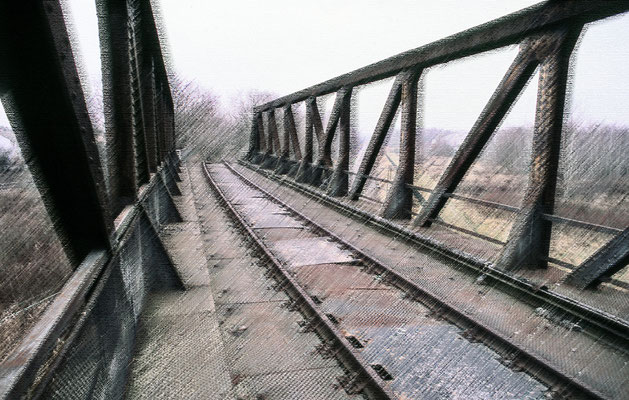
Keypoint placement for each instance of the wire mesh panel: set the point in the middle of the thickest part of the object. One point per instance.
(96, 364)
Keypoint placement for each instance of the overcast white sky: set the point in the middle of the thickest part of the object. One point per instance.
(230, 47)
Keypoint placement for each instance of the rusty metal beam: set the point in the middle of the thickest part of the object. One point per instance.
(285, 149)
(304, 173)
(142, 171)
(258, 133)
(379, 135)
(148, 109)
(272, 127)
(339, 181)
(113, 27)
(281, 165)
(261, 138)
(273, 149)
(162, 143)
(23, 367)
(325, 146)
(499, 104)
(316, 118)
(254, 138)
(510, 29)
(399, 201)
(167, 119)
(291, 141)
(153, 45)
(324, 152)
(528, 243)
(292, 132)
(609, 259)
(47, 111)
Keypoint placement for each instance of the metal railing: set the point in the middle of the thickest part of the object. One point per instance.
(546, 34)
(40, 84)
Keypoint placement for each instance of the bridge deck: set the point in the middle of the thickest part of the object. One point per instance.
(609, 297)
(229, 334)
(519, 319)
(240, 331)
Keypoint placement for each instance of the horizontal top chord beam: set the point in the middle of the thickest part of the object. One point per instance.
(504, 31)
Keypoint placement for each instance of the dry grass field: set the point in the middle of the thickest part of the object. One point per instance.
(34, 266)
(485, 181)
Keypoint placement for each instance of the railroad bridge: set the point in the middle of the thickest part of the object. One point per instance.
(285, 274)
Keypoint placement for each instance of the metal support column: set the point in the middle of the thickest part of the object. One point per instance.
(304, 173)
(47, 110)
(499, 104)
(273, 149)
(324, 158)
(529, 240)
(113, 22)
(399, 201)
(339, 181)
(379, 135)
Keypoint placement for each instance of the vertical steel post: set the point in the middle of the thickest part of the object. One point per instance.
(283, 164)
(147, 77)
(254, 138)
(304, 173)
(294, 143)
(169, 122)
(324, 158)
(379, 135)
(339, 181)
(272, 122)
(529, 240)
(294, 139)
(497, 107)
(142, 172)
(273, 149)
(113, 26)
(162, 122)
(399, 201)
(51, 123)
(261, 138)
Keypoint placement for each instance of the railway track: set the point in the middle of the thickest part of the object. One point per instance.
(396, 339)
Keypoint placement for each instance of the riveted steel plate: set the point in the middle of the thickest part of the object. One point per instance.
(320, 250)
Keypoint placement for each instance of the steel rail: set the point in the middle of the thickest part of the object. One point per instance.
(538, 367)
(351, 358)
(609, 323)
